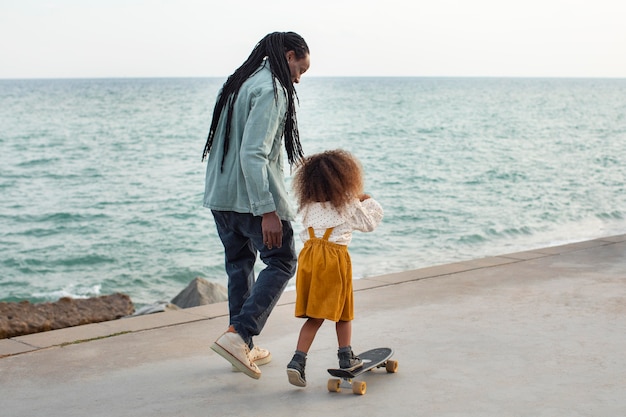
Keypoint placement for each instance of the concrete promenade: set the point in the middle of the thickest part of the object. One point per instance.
(536, 333)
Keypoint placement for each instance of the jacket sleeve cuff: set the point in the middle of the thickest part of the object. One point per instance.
(262, 207)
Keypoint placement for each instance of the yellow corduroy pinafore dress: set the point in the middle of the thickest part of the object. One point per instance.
(324, 280)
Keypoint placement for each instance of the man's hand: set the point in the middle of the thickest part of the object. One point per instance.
(272, 230)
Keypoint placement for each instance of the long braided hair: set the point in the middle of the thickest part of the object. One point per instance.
(273, 46)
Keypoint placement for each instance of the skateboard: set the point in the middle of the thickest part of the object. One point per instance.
(375, 358)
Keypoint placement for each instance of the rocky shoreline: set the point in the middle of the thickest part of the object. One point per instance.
(18, 319)
(22, 318)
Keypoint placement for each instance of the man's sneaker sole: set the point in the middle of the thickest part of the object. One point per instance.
(295, 378)
(235, 362)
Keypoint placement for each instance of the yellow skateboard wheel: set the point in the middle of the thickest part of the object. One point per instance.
(359, 387)
(392, 366)
(334, 385)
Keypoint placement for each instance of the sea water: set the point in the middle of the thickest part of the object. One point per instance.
(101, 181)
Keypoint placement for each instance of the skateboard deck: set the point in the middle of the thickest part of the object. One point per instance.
(374, 358)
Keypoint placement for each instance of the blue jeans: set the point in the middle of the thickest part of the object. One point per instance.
(251, 301)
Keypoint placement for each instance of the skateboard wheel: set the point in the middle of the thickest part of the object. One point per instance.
(392, 366)
(359, 387)
(334, 385)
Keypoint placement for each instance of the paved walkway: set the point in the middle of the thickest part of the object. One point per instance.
(537, 333)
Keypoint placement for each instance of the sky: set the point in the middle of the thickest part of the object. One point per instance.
(210, 38)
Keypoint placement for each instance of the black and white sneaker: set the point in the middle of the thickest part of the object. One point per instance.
(347, 360)
(295, 370)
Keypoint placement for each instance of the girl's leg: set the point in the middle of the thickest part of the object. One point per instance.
(347, 360)
(344, 333)
(307, 334)
(295, 368)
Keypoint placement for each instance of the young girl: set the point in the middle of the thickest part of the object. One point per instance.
(329, 190)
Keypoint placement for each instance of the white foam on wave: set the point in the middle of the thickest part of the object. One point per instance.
(71, 291)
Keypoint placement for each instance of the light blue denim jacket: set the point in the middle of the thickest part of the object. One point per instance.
(252, 180)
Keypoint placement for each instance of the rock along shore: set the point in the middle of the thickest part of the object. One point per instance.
(22, 318)
(17, 319)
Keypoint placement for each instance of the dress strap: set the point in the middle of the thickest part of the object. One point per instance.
(326, 233)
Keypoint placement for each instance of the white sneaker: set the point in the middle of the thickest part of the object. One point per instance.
(259, 356)
(235, 350)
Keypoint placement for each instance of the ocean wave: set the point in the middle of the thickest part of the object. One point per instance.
(613, 215)
(72, 291)
(55, 218)
(85, 260)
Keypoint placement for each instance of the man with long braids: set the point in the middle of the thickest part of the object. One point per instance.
(246, 190)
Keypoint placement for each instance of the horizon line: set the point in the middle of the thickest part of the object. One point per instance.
(313, 76)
